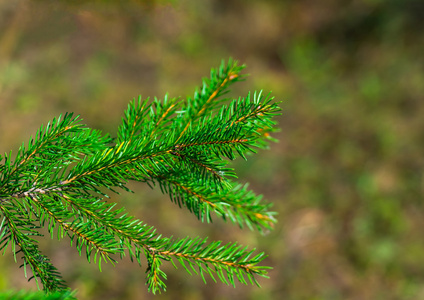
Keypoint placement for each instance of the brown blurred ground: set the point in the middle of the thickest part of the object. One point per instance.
(346, 177)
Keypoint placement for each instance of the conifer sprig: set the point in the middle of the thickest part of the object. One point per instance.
(17, 229)
(58, 181)
(208, 96)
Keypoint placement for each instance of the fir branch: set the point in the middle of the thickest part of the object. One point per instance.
(16, 231)
(37, 295)
(57, 181)
(55, 146)
(228, 261)
(208, 96)
(235, 202)
(93, 239)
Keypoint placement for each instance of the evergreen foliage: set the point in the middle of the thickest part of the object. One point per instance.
(59, 178)
(37, 295)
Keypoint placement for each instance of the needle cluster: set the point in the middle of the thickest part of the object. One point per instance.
(59, 178)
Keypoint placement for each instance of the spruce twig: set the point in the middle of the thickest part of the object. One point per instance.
(57, 181)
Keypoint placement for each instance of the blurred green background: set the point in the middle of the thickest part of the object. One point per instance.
(346, 177)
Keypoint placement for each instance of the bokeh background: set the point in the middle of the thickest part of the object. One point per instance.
(346, 177)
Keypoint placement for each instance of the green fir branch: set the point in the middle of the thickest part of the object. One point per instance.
(58, 181)
(37, 295)
(16, 231)
(207, 97)
(227, 262)
(234, 202)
